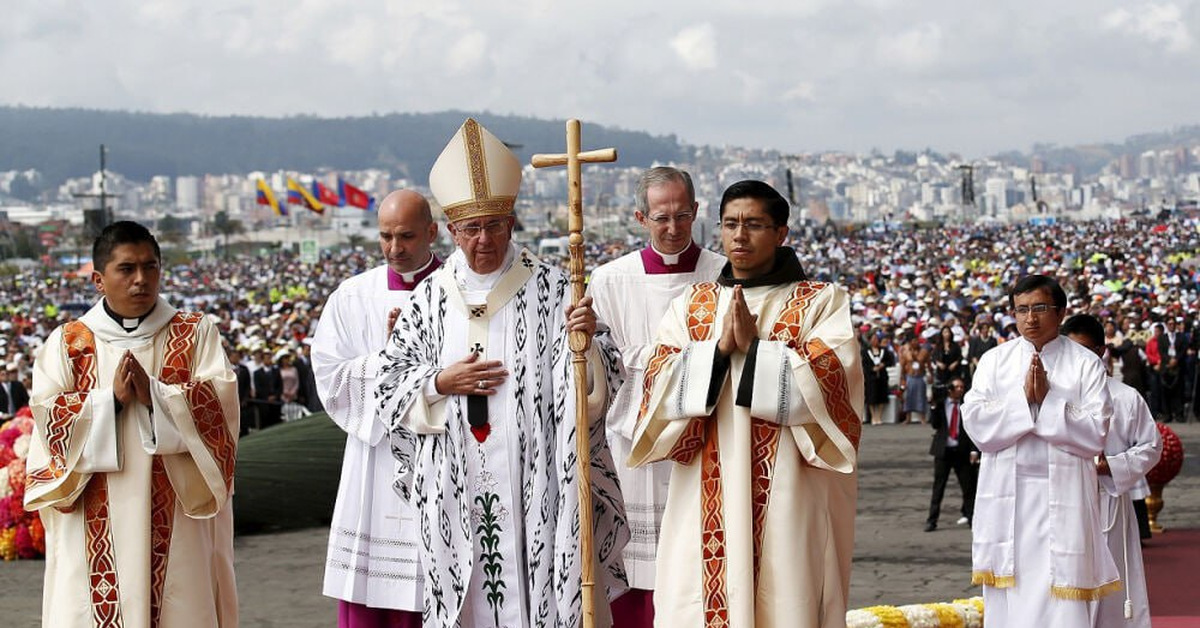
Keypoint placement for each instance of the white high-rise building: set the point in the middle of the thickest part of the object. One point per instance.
(187, 193)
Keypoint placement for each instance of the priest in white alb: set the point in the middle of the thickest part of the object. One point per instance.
(754, 391)
(1039, 411)
(477, 388)
(131, 465)
(372, 566)
(1132, 447)
(631, 294)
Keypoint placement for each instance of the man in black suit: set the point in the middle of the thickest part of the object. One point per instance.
(952, 449)
(13, 395)
(244, 390)
(308, 380)
(268, 391)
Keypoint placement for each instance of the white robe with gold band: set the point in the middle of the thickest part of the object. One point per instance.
(499, 519)
(631, 303)
(1037, 545)
(759, 525)
(374, 556)
(136, 505)
(1133, 447)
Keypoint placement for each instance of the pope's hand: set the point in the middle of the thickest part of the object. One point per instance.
(393, 316)
(471, 376)
(581, 317)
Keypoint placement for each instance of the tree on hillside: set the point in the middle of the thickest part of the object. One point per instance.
(171, 229)
(225, 226)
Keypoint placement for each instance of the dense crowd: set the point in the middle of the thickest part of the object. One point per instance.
(1140, 277)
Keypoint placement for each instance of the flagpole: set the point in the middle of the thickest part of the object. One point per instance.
(579, 343)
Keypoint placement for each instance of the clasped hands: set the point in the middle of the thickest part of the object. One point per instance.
(130, 382)
(473, 376)
(740, 328)
(1036, 383)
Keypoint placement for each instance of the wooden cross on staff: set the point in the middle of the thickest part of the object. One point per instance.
(579, 343)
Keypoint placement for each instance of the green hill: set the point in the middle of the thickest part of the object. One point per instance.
(63, 143)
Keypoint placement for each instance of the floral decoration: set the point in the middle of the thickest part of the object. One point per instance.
(21, 533)
(966, 613)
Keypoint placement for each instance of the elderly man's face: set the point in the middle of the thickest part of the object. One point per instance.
(484, 241)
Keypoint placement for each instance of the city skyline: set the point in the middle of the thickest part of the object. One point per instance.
(800, 76)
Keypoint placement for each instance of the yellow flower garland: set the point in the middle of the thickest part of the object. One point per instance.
(963, 613)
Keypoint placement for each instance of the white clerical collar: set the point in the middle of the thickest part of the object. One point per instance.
(470, 280)
(670, 259)
(411, 277)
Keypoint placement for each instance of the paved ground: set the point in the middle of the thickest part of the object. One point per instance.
(895, 561)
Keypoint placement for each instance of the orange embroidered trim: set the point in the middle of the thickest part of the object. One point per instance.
(832, 378)
(824, 362)
(162, 520)
(712, 534)
(80, 345)
(702, 310)
(207, 412)
(764, 444)
(789, 326)
(689, 444)
(106, 604)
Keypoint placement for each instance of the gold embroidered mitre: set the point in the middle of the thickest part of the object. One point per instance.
(476, 175)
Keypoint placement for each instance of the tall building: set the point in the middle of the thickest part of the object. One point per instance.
(187, 193)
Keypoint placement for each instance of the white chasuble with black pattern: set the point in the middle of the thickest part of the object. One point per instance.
(498, 513)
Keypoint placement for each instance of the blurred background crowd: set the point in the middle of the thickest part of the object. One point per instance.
(927, 302)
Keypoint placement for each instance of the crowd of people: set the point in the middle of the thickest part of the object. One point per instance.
(721, 395)
(907, 287)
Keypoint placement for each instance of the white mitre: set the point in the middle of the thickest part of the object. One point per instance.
(476, 175)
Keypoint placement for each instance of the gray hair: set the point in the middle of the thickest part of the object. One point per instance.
(659, 175)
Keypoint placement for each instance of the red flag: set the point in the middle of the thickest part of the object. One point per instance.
(324, 194)
(354, 197)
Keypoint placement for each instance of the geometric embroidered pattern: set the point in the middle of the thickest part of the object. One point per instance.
(207, 413)
(764, 444)
(825, 364)
(832, 379)
(712, 533)
(210, 424)
(702, 315)
(702, 311)
(162, 518)
(102, 572)
(80, 345)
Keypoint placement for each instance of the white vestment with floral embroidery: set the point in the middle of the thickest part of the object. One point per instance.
(499, 517)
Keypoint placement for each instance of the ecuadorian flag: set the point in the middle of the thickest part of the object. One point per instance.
(297, 195)
(266, 197)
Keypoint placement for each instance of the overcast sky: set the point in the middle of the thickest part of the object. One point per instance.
(799, 75)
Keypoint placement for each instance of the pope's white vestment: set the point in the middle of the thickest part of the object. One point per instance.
(497, 504)
(631, 303)
(136, 503)
(373, 556)
(1132, 448)
(1037, 543)
(759, 524)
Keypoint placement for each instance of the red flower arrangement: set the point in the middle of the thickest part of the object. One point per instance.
(21, 533)
(1172, 458)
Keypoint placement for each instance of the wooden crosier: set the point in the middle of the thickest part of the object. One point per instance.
(579, 343)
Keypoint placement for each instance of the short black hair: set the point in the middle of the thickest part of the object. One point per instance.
(773, 202)
(1084, 325)
(116, 234)
(1030, 283)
